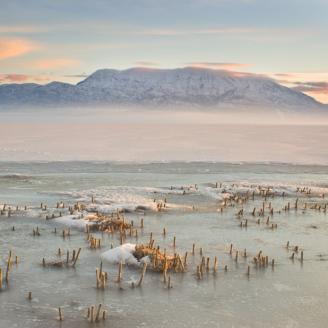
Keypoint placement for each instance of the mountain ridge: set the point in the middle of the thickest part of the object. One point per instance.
(160, 87)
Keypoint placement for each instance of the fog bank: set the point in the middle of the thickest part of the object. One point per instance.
(161, 135)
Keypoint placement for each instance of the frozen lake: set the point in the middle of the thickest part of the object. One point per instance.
(291, 294)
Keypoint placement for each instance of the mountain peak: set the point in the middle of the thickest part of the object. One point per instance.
(152, 86)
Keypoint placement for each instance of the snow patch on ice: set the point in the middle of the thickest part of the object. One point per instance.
(74, 221)
(123, 253)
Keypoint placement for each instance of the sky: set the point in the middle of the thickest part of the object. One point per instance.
(66, 40)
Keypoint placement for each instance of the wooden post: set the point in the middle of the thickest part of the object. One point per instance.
(8, 267)
(193, 249)
(103, 280)
(29, 296)
(100, 269)
(77, 256)
(215, 266)
(199, 274)
(169, 285)
(92, 310)
(98, 312)
(60, 314)
(165, 269)
(165, 276)
(120, 267)
(185, 259)
(97, 277)
(88, 313)
(144, 268)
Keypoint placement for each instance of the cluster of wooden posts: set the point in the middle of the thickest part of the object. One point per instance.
(94, 243)
(4, 279)
(204, 266)
(295, 250)
(36, 232)
(69, 261)
(267, 208)
(96, 314)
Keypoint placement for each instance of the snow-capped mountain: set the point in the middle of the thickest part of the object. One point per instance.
(159, 87)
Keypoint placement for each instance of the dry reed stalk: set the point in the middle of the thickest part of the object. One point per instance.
(60, 314)
(98, 312)
(120, 268)
(144, 268)
(215, 266)
(77, 256)
(92, 310)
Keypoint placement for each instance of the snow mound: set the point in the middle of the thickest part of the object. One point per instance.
(122, 253)
(74, 221)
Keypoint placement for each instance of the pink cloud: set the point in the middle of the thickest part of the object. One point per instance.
(312, 87)
(146, 63)
(55, 63)
(285, 75)
(15, 78)
(313, 84)
(218, 66)
(22, 78)
(12, 47)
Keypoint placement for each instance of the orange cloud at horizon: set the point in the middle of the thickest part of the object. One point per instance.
(22, 78)
(12, 47)
(314, 84)
(321, 96)
(218, 66)
(146, 63)
(55, 63)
